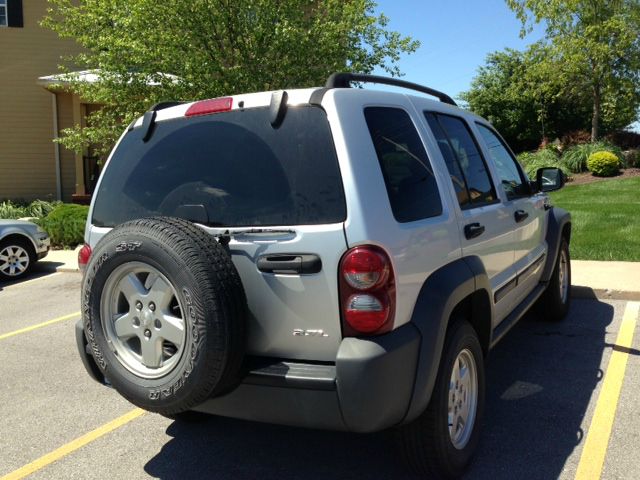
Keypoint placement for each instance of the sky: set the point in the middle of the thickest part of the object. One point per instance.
(455, 37)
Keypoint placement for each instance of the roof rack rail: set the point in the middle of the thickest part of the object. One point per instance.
(344, 80)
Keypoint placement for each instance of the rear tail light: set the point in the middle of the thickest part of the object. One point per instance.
(84, 254)
(213, 105)
(367, 291)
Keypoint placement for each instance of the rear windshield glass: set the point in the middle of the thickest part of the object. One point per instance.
(227, 169)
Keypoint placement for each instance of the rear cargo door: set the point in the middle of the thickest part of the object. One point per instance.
(276, 190)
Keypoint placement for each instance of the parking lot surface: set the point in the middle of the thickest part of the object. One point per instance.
(544, 382)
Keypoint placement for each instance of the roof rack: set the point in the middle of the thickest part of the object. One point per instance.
(344, 80)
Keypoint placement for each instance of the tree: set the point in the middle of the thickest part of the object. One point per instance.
(146, 51)
(598, 43)
(526, 97)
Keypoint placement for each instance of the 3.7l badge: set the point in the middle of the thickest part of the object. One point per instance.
(299, 332)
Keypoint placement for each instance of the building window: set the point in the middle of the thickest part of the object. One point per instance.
(3, 13)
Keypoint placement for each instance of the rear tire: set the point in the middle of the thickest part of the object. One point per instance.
(554, 303)
(437, 444)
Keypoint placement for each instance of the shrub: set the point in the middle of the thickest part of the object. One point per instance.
(37, 208)
(631, 158)
(10, 210)
(65, 224)
(575, 158)
(603, 164)
(575, 137)
(625, 139)
(40, 208)
(532, 161)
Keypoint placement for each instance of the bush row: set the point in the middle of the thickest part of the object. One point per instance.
(575, 159)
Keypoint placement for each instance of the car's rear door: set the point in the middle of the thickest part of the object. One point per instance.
(485, 221)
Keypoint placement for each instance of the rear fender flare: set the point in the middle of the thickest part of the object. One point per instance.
(440, 294)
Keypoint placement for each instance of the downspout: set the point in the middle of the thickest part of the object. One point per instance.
(56, 145)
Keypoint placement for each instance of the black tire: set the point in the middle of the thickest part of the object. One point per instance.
(24, 243)
(553, 305)
(207, 289)
(426, 444)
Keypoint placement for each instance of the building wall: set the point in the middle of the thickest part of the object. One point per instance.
(27, 158)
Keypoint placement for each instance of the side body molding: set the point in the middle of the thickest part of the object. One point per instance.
(441, 293)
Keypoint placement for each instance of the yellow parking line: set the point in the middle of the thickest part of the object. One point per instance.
(595, 447)
(39, 325)
(72, 446)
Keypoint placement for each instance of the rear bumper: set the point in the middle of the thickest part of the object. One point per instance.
(369, 388)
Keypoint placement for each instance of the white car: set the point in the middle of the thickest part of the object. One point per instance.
(22, 244)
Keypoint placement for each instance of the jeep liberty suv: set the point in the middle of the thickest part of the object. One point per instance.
(333, 258)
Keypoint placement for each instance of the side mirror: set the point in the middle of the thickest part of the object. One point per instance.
(549, 179)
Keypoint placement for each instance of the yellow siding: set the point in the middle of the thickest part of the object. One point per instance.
(27, 161)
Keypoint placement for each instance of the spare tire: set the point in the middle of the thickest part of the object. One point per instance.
(164, 313)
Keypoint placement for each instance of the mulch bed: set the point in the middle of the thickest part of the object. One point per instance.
(582, 178)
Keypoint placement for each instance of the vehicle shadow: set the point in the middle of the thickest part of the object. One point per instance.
(40, 269)
(540, 381)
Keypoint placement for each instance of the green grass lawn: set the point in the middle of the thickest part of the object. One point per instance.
(605, 217)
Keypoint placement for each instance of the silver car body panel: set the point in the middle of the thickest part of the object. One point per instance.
(38, 238)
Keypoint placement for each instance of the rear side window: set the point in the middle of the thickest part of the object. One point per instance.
(408, 175)
(227, 169)
(467, 168)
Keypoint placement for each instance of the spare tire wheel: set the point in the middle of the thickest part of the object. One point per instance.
(164, 313)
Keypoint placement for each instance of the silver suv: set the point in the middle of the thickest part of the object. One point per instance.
(333, 258)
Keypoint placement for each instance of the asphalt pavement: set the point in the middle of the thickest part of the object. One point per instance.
(544, 381)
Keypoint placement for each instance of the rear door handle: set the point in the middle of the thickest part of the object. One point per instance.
(473, 230)
(520, 215)
(291, 263)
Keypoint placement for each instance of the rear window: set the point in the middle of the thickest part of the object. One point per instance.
(228, 169)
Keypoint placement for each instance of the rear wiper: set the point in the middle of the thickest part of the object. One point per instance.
(225, 237)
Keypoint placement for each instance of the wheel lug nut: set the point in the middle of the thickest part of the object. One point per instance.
(138, 305)
(157, 324)
(147, 333)
(152, 307)
(136, 322)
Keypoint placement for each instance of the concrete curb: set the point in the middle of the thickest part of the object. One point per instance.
(578, 291)
(67, 269)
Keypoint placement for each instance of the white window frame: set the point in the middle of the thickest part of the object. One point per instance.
(3, 3)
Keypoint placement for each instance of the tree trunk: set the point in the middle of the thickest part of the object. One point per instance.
(595, 119)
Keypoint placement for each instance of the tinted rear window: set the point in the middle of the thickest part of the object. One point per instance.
(234, 166)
